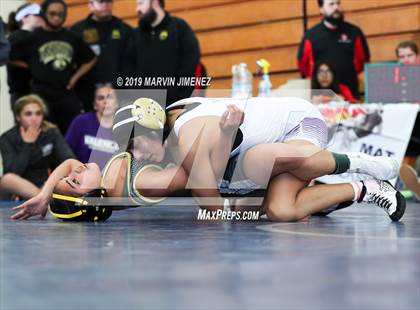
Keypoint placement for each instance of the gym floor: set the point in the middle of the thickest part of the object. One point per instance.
(164, 258)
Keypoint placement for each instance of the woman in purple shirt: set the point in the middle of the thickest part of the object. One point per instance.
(90, 134)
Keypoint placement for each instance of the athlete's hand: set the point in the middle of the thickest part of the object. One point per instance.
(30, 134)
(37, 205)
(231, 119)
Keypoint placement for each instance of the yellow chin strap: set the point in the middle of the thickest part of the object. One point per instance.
(70, 198)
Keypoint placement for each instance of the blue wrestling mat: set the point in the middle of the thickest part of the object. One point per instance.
(164, 258)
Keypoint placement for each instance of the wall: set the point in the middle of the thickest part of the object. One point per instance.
(232, 31)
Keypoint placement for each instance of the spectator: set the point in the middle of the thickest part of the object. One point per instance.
(4, 45)
(21, 24)
(90, 134)
(342, 44)
(324, 78)
(57, 59)
(109, 37)
(408, 53)
(164, 46)
(30, 149)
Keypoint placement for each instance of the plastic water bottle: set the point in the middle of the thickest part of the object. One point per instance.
(236, 81)
(264, 86)
(245, 81)
(241, 81)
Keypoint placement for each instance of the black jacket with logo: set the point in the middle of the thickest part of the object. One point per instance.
(345, 48)
(170, 49)
(109, 40)
(32, 160)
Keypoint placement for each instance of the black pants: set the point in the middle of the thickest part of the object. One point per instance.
(85, 91)
(62, 111)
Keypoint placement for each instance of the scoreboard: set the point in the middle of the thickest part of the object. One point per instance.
(392, 83)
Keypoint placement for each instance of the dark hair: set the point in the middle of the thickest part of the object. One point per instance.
(320, 3)
(162, 3)
(102, 85)
(314, 81)
(12, 24)
(47, 3)
(407, 44)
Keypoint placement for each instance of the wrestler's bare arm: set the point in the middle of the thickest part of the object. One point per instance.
(196, 142)
(225, 132)
(154, 182)
(38, 205)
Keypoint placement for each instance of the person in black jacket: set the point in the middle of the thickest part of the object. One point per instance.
(108, 37)
(23, 22)
(4, 44)
(30, 149)
(164, 46)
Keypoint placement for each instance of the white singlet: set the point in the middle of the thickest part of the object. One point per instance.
(267, 120)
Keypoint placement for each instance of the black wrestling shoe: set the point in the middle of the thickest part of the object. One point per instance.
(385, 196)
(339, 206)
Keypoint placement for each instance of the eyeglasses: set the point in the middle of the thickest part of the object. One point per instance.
(58, 14)
(324, 72)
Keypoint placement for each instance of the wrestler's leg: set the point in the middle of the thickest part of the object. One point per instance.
(12, 183)
(289, 199)
(300, 158)
(308, 161)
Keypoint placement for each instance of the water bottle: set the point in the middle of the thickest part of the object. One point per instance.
(264, 86)
(245, 81)
(236, 81)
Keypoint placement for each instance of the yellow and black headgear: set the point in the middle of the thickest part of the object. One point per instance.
(141, 117)
(68, 208)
